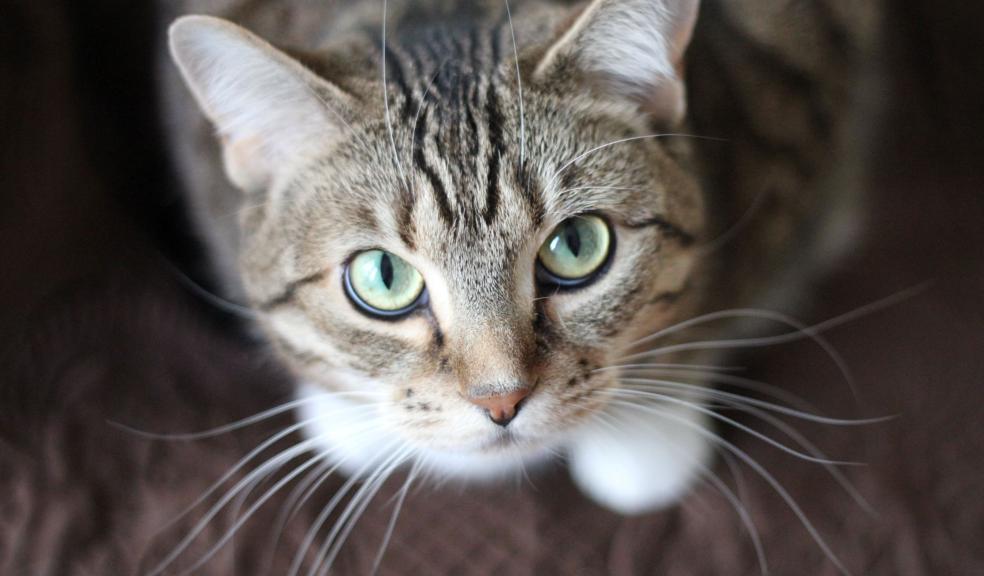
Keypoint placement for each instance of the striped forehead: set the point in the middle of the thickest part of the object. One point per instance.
(465, 208)
(447, 165)
(446, 61)
(457, 111)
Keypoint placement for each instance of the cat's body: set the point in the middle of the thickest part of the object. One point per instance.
(478, 150)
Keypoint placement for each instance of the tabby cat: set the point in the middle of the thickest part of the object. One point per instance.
(484, 234)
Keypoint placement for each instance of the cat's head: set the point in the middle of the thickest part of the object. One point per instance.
(473, 244)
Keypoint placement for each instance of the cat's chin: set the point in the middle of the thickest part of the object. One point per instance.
(336, 427)
(487, 466)
(647, 462)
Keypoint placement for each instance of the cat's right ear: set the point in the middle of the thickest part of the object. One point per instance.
(269, 110)
(629, 50)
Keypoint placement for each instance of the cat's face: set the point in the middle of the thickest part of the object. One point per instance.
(485, 317)
(466, 263)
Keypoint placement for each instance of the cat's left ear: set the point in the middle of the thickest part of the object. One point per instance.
(628, 49)
(270, 111)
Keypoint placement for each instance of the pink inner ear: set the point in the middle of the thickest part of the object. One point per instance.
(635, 50)
(668, 104)
(681, 35)
(244, 162)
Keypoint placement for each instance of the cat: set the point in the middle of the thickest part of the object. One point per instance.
(487, 235)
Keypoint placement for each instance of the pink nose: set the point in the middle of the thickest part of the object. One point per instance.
(502, 409)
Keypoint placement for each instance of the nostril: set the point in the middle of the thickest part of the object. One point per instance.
(503, 418)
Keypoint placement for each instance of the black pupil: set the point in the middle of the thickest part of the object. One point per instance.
(386, 271)
(573, 239)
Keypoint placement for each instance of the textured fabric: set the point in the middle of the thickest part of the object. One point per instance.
(96, 328)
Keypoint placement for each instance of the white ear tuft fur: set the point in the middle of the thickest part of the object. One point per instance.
(634, 48)
(269, 110)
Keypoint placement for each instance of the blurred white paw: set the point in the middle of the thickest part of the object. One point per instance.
(648, 462)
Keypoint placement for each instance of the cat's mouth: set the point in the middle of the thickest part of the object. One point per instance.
(503, 440)
(507, 441)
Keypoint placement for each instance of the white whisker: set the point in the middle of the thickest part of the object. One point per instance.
(396, 514)
(326, 511)
(631, 370)
(354, 510)
(219, 302)
(519, 83)
(252, 510)
(583, 155)
(261, 471)
(812, 448)
(765, 475)
(716, 244)
(238, 424)
(271, 464)
(623, 188)
(524, 473)
(744, 517)
(235, 468)
(802, 331)
(734, 498)
(423, 104)
(734, 423)
(386, 106)
(235, 510)
(270, 441)
(294, 501)
(701, 368)
(729, 397)
(606, 420)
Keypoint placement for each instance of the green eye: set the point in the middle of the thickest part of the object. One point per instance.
(575, 251)
(382, 283)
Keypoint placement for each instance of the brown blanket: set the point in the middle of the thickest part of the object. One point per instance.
(96, 327)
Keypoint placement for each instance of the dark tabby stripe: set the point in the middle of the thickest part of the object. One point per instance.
(416, 68)
(305, 357)
(838, 38)
(495, 153)
(781, 70)
(397, 76)
(420, 161)
(289, 292)
(669, 297)
(473, 144)
(749, 132)
(407, 230)
(529, 184)
(670, 230)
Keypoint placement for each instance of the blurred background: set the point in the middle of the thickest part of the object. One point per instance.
(95, 326)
